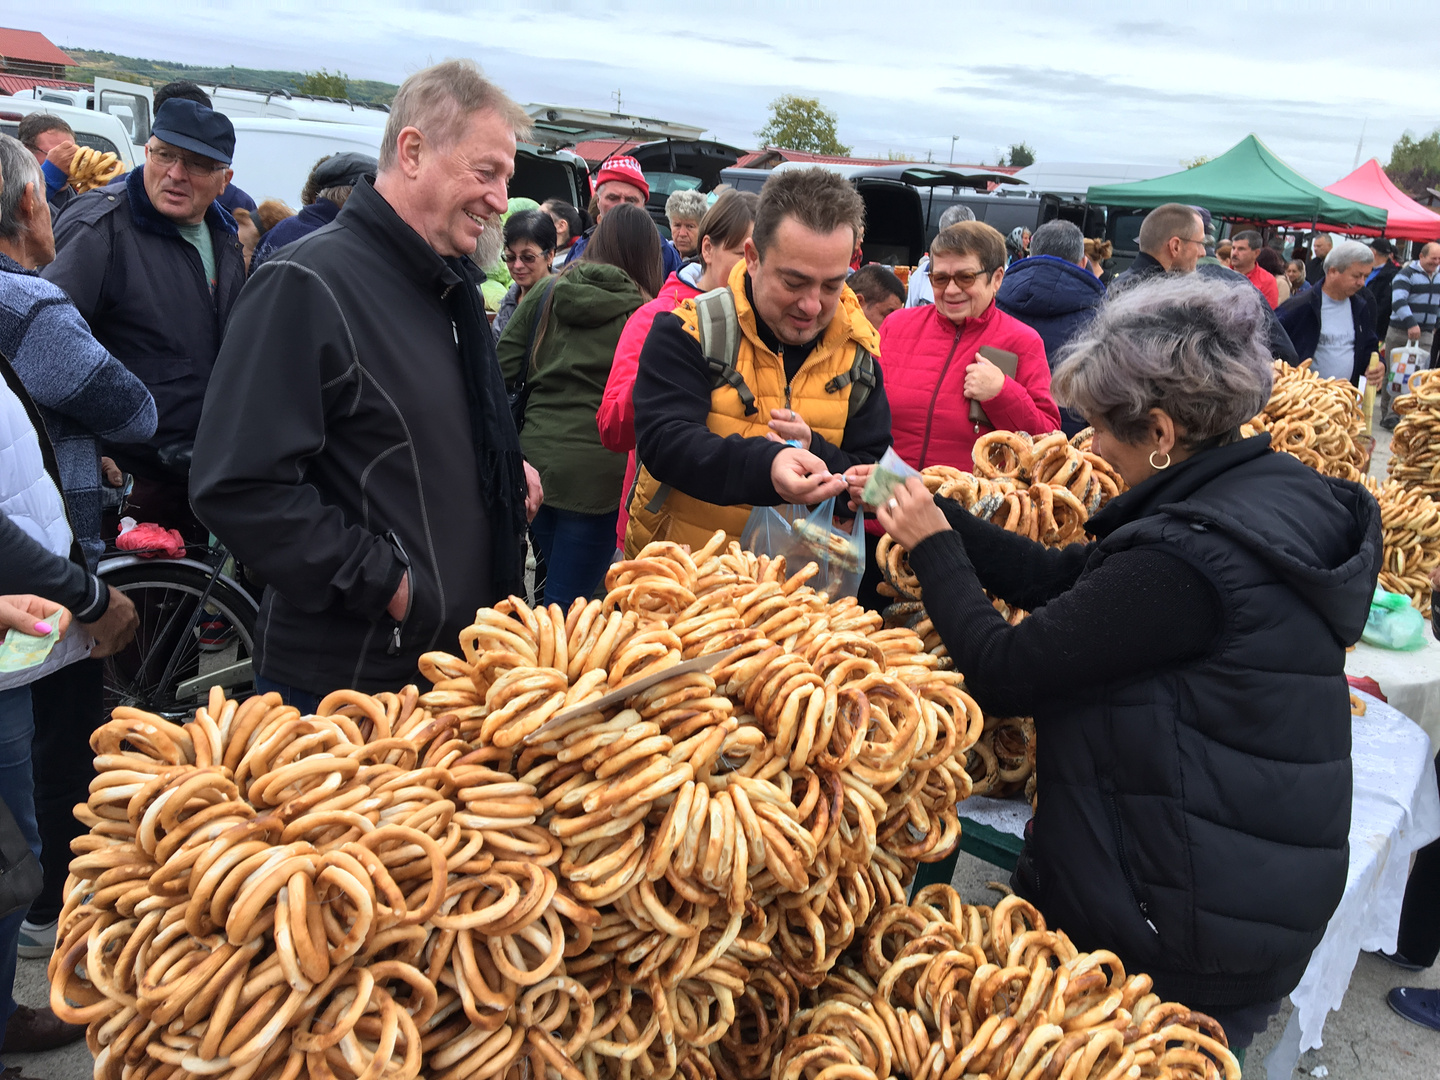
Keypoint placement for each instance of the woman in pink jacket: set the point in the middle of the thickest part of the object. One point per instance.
(933, 368)
(723, 232)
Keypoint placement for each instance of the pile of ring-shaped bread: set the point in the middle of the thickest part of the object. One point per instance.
(91, 169)
(1410, 531)
(944, 990)
(449, 883)
(1317, 420)
(1415, 447)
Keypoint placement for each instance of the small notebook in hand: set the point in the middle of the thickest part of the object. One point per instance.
(1006, 362)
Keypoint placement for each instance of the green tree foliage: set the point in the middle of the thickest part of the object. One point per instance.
(900, 155)
(158, 72)
(798, 123)
(1415, 163)
(322, 84)
(1020, 155)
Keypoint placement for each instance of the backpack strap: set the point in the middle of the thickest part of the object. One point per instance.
(719, 328)
(861, 377)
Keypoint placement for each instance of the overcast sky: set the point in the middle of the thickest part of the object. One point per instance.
(1135, 82)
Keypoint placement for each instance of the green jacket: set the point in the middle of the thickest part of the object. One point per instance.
(591, 303)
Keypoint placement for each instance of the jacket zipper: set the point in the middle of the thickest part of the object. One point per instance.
(935, 396)
(1113, 813)
(393, 649)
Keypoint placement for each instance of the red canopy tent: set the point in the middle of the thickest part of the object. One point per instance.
(1408, 220)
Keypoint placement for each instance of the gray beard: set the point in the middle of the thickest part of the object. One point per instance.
(487, 249)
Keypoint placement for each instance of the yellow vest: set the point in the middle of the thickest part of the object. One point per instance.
(687, 520)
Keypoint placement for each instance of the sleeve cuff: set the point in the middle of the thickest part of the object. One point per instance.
(55, 177)
(97, 603)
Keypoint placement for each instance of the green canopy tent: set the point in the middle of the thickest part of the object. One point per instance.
(1247, 181)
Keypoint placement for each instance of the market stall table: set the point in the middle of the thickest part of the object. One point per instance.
(1410, 681)
(1396, 812)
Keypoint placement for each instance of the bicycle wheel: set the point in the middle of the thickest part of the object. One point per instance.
(168, 649)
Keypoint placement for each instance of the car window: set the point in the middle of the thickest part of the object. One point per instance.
(96, 142)
(664, 183)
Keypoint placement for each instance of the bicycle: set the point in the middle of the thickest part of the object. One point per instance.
(197, 630)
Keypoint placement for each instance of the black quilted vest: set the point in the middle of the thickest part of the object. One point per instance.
(1195, 819)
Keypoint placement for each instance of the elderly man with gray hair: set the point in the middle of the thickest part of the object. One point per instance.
(1335, 323)
(356, 448)
(1194, 717)
(920, 290)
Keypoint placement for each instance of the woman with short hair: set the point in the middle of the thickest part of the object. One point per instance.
(560, 344)
(529, 248)
(684, 209)
(1185, 669)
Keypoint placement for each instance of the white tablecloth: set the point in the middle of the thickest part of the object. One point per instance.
(1396, 812)
(1410, 681)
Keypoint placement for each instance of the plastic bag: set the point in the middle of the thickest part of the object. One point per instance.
(1405, 362)
(148, 539)
(889, 473)
(1393, 623)
(804, 535)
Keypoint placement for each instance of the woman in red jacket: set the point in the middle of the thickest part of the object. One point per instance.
(933, 367)
(723, 232)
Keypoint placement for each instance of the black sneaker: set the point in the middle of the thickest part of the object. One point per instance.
(1400, 960)
(1416, 1005)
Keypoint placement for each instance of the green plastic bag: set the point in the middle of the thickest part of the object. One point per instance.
(1393, 623)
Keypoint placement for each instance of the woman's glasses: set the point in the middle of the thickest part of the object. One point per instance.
(965, 278)
(530, 258)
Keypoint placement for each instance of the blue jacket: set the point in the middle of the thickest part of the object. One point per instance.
(320, 212)
(141, 288)
(1300, 316)
(1053, 297)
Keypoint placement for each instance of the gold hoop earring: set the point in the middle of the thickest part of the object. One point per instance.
(1156, 466)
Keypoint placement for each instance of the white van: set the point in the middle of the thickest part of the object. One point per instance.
(282, 105)
(273, 158)
(102, 131)
(130, 103)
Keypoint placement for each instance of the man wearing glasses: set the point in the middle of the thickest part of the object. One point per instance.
(154, 266)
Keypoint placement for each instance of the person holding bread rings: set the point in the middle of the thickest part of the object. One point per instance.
(1185, 668)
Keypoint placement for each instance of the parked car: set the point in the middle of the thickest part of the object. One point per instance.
(131, 104)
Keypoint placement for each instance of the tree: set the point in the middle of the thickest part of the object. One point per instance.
(1021, 154)
(798, 123)
(1415, 163)
(1199, 159)
(323, 84)
(900, 155)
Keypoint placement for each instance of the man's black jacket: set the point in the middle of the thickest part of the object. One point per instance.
(1300, 315)
(336, 445)
(141, 286)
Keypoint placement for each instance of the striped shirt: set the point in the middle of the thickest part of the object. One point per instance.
(1415, 299)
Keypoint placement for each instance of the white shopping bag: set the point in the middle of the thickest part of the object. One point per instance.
(1405, 362)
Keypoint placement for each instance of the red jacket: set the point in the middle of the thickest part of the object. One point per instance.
(616, 418)
(1264, 280)
(924, 356)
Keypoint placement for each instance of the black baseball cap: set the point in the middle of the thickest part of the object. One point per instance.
(194, 127)
(343, 170)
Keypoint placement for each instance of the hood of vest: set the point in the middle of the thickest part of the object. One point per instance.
(1319, 535)
(592, 294)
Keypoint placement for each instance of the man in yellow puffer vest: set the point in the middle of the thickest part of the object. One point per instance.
(711, 436)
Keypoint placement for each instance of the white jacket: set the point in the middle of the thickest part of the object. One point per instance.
(30, 498)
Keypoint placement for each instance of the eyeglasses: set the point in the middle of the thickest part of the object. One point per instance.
(1187, 240)
(198, 167)
(965, 279)
(530, 258)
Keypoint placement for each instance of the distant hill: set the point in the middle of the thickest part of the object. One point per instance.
(93, 62)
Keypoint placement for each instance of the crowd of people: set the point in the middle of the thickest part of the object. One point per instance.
(326, 394)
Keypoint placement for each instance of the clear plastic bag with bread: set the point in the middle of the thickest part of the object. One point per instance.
(805, 534)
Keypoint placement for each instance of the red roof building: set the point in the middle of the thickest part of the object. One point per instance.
(31, 53)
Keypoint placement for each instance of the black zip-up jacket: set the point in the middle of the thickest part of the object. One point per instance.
(1186, 673)
(1300, 316)
(141, 287)
(336, 445)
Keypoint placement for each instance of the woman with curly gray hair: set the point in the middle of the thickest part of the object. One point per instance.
(1185, 668)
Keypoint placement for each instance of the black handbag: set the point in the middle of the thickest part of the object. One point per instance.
(519, 394)
(20, 873)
